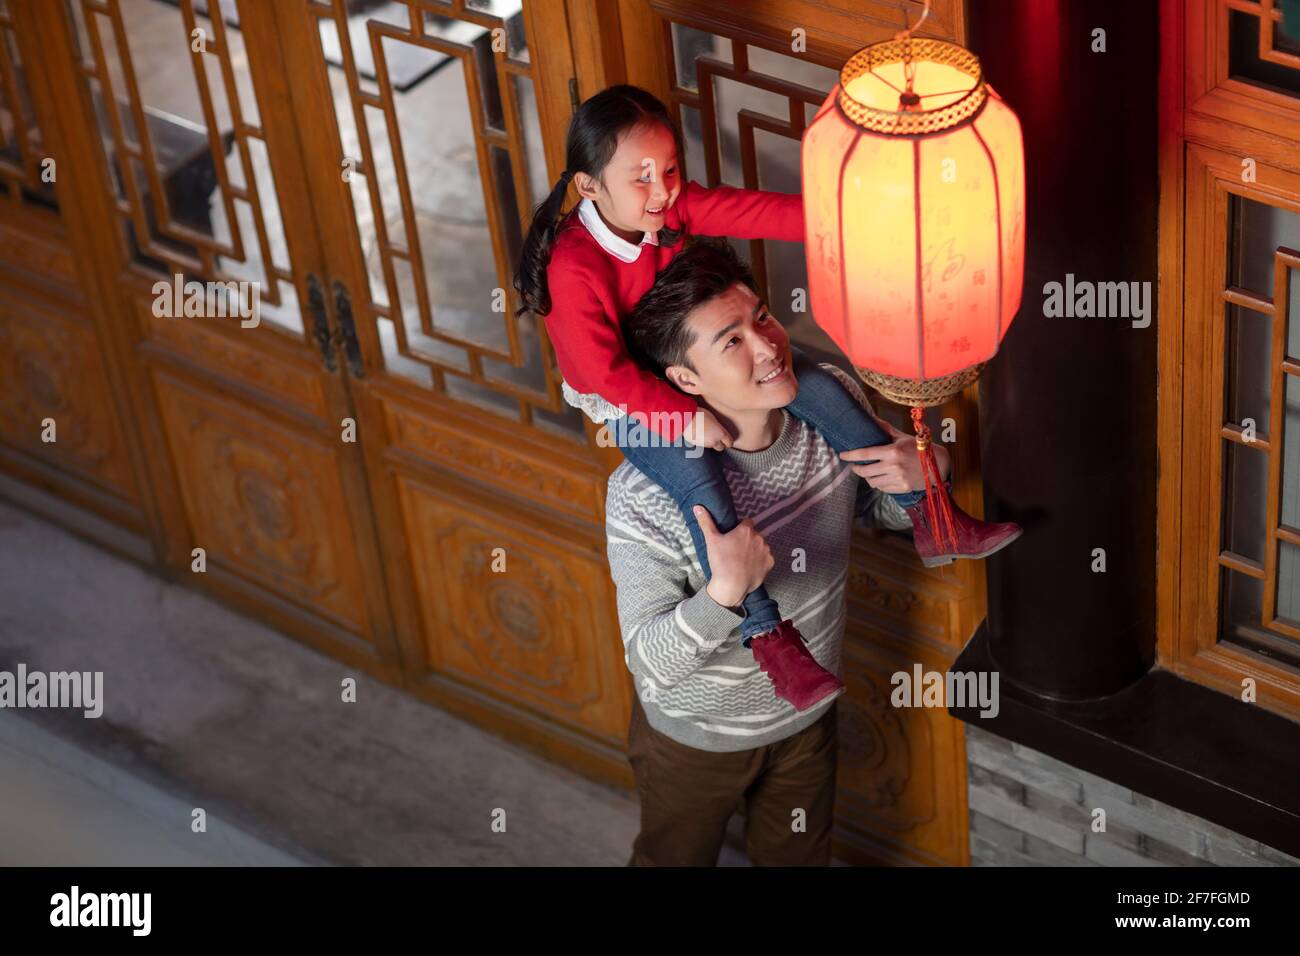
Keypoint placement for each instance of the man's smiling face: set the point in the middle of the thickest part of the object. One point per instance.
(740, 356)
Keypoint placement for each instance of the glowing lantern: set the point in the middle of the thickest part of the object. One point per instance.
(914, 198)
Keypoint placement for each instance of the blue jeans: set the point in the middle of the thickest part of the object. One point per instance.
(821, 402)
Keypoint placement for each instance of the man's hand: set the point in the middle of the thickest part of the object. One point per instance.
(739, 559)
(706, 431)
(897, 468)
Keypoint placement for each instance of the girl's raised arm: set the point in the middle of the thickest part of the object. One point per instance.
(741, 213)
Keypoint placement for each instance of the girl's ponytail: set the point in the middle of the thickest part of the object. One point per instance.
(530, 279)
(592, 139)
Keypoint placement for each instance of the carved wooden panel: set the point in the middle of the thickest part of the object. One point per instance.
(535, 475)
(264, 500)
(902, 777)
(33, 252)
(51, 367)
(239, 358)
(516, 612)
(898, 597)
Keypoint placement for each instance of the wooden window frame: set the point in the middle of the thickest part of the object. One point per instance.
(1209, 123)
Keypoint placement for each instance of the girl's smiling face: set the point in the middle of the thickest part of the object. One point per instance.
(639, 184)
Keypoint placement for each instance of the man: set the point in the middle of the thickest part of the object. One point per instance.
(707, 729)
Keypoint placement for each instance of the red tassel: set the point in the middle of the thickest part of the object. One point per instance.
(936, 498)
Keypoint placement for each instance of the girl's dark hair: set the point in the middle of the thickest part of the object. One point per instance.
(593, 136)
(655, 329)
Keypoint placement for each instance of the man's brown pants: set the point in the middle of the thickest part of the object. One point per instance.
(688, 795)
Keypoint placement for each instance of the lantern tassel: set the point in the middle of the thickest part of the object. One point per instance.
(936, 500)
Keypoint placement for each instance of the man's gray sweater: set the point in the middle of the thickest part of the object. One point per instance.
(698, 684)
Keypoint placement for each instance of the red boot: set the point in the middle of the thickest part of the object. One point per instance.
(975, 538)
(796, 676)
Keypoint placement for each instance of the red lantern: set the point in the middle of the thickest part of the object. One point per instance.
(914, 201)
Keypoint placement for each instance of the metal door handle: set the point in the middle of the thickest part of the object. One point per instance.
(348, 329)
(320, 323)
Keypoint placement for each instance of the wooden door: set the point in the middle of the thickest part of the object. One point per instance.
(433, 131)
(743, 80)
(182, 165)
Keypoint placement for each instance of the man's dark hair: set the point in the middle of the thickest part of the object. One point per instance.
(656, 330)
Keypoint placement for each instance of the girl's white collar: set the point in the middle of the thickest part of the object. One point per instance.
(616, 246)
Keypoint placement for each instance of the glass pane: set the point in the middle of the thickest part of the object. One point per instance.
(1288, 583)
(1241, 606)
(199, 205)
(1244, 62)
(1257, 230)
(1292, 314)
(1246, 368)
(693, 139)
(795, 69)
(787, 266)
(537, 176)
(506, 10)
(1286, 40)
(1245, 493)
(476, 394)
(1291, 455)
(689, 44)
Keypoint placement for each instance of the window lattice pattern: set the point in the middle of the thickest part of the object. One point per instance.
(436, 108)
(182, 140)
(24, 169)
(743, 110)
(1259, 555)
(1262, 48)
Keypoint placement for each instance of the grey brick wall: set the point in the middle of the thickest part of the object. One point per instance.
(1029, 809)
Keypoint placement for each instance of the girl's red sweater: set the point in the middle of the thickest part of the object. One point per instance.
(591, 290)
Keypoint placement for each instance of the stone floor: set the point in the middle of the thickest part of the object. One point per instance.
(206, 708)
(60, 805)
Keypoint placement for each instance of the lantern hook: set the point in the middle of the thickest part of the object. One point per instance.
(909, 99)
(906, 34)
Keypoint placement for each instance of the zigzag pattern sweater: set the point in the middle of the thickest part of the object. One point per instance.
(697, 683)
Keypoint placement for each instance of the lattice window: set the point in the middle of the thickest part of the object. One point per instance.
(743, 109)
(436, 109)
(24, 172)
(182, 139)
(1260, 544)
(1261, 48)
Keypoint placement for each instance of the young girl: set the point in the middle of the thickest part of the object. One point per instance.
(584, 272)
